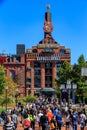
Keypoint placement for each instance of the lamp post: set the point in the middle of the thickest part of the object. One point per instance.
(74, 87)
(16, 96)
(6, 88)
(62, 89)
(70, 87)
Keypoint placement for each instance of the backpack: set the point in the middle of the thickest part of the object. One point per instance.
(26, 122)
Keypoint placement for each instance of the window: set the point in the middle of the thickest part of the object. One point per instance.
(12, 74)
(48, 65)
(34, 50)
(37, 72)
(58, 64)
(36, 64)
(18, 59)
(37, 85)
(37, 79)
(62, 51)
(8, 59)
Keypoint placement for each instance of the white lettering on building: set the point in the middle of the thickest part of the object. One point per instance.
(49, 58)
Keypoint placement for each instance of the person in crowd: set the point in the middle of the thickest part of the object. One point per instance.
(26, 122)
(75, 118)
(59, 120)
(32, 117)
(49, 114)
(9, 125)
(44, 121)
(39, 114)
(4, 116)
(53, 123)
(55, 111)
(67, 120)
(82, 120)
(14, 118)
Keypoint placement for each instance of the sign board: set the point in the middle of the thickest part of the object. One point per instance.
(48, 45)
(48, 58)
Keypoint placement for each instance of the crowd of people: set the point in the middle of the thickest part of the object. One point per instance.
(47, 113)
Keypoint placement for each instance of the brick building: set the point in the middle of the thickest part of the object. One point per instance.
(44, 60)
(15, 67)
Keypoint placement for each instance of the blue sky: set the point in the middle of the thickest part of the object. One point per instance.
(21, 22)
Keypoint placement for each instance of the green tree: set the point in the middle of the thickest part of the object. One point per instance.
(81, 61)
(64, 75)
(73, 73)
(29, 98)
(11, 86)
(81, 91)
(78, 78)
(2, 79)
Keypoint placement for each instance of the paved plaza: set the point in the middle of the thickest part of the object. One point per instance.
(36, 127)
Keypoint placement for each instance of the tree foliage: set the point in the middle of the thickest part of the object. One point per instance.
(29, 98)
(64, 75)
(11, 86)
(81, 61)
(73, 73)
(64, 72)
(2, 79)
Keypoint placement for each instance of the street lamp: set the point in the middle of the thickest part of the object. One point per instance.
(70, 87)
(16, 96)
(62, 89)
(6, 88)
(74, 87)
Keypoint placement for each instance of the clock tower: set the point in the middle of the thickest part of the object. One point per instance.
(47, 22)
(44, 60)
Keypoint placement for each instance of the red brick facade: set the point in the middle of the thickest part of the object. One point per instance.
(45, 59)
(16, 69)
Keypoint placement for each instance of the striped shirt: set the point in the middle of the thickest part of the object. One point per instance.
(9, 126)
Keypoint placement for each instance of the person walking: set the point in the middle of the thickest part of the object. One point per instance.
(14, 118)
(75, 118)
(59, 120)
(9, 125)
(67, 120)
(26, 122)
(39, 114)
(44, 121)
(82, 120)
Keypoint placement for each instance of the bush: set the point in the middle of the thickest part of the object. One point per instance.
(29, 98)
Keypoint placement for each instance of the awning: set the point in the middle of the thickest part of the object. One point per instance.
(48, 90)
